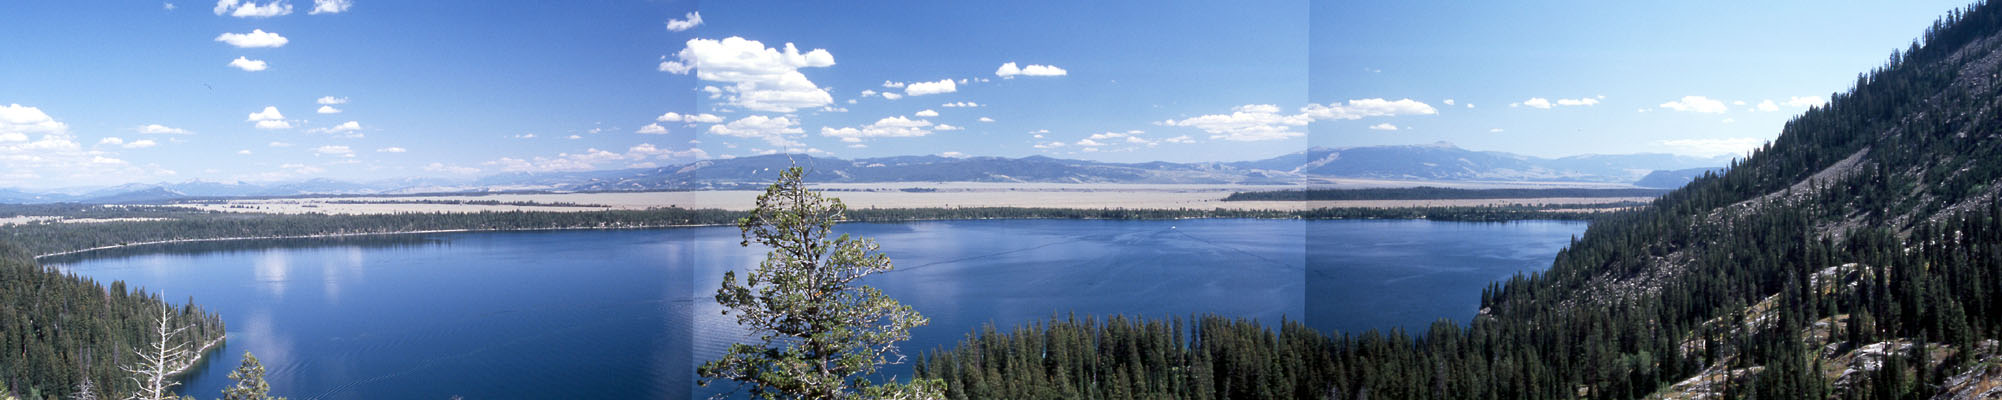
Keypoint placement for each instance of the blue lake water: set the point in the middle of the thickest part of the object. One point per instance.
(628, 313)
(1408, 274)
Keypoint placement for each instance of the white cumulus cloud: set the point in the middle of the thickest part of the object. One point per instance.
(927, 113)
(1251, 122)
(1367, 108)
(1588, 101)
(248, 64)
(250, 9)
(773, 130)
(704, 118)
(328, 110)
(925, 88)
(897, 126)
(256, 38)
(346, 129)
(652, 129)
(269, 118)
(690, 21)
(760, 78)
(1010, 71)
(330, 7)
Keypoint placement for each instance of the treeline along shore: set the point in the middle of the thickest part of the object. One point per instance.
(124, 226)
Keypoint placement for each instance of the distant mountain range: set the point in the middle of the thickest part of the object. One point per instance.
(1433, 162)
(1445, 162)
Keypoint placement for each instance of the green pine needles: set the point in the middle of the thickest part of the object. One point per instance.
(821, 333)
(250, 384)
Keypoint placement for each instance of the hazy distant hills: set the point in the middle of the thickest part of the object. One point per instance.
(1433, 162)
(1445, 162)
(761, 169)
(1673, 178)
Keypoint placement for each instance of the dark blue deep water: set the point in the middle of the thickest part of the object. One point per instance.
(628, 313)
(1408, 274)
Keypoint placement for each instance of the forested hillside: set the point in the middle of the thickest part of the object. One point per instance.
(57, 329)
(1856, 256)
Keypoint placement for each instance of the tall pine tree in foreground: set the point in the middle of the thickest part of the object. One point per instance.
(821, 333)
(249, 381)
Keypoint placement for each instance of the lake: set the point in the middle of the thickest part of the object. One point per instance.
(628, 313)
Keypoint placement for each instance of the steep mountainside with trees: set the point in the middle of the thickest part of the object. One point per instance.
(1859, 256)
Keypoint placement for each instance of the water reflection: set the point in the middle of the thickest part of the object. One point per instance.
(255, 329)
(273, 271)
(348, 268)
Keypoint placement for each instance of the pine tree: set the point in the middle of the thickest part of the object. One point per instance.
(250, 384)
(822, 332)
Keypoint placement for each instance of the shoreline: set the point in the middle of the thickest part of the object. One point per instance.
(357, 234)
(1188, 215)
(671, 226)
(201, 356)
(470, 230)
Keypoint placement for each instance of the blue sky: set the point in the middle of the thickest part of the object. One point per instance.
(465, 89)
(1645, 58)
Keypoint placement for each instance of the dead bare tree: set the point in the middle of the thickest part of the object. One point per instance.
(85, 390)
(159, 362)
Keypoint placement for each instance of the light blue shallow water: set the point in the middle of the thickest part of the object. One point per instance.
(626, 314)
